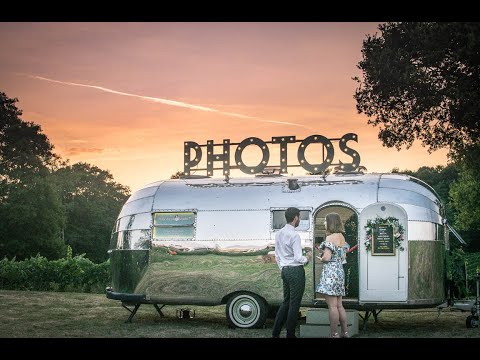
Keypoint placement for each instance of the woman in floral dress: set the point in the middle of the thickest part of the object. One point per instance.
(332, 281)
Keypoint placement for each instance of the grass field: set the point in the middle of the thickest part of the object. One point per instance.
(30, 314)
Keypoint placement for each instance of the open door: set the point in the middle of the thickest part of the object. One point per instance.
(350, 220)
(383, 265)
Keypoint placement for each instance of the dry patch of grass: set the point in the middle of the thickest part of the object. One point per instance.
(30, 314)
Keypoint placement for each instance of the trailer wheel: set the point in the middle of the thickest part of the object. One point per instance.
(472, 321)
(245, 310)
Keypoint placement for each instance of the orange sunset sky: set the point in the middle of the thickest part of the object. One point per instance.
(126, 96)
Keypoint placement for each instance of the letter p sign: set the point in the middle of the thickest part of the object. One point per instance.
(187, 162)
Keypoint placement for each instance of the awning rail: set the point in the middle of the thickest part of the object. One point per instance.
(455, 233)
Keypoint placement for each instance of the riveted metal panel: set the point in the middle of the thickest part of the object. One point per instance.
(218, 225)
(128, 268)
(406, 183)
(143, 193)
(400, 196)
(137, 206)
(419, 213)
(421, 230)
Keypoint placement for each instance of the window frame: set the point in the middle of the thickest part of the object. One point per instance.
(170, 225)
(309, 210)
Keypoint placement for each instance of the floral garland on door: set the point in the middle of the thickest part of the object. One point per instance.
(398, 231)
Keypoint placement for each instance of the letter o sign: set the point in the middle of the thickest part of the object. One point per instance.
(265, 155)
(315, 168)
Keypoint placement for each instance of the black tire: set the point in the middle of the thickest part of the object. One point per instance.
(246, 311)
(472, 321)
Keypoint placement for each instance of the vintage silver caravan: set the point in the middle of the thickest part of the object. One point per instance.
(206, 241)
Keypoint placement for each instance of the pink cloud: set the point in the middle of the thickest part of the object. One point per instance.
(77, 151)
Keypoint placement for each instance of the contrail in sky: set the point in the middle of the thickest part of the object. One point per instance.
(168, 102)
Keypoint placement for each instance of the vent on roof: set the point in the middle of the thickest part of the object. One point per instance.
(293, 184)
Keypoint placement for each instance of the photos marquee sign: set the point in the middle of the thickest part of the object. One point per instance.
(220, 160)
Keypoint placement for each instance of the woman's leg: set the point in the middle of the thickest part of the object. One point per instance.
(342, 314)
(332, 314)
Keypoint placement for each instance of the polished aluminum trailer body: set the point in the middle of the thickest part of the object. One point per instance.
(237, 219)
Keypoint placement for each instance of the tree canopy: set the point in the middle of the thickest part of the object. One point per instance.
(92, 201)
(422, 81)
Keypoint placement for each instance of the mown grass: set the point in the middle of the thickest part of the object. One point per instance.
(31, 314)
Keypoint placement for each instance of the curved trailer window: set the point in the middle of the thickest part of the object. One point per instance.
(174, 225)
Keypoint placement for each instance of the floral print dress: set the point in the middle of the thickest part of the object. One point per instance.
(332, 280)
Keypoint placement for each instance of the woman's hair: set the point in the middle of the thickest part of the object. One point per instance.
(334, 223)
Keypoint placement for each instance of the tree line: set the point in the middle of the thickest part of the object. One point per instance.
(47, 203)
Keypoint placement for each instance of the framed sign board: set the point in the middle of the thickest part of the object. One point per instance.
(382, 240)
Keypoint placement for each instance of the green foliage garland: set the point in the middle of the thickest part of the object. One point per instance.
(398, 231)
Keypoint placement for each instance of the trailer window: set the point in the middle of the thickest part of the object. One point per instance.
(279, 221)
(174, 225)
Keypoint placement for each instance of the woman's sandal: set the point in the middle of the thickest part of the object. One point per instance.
(335, 335)
(345, 335)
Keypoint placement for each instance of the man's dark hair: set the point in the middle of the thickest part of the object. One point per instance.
(290, 214)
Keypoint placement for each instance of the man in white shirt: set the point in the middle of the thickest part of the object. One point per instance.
(288, 254)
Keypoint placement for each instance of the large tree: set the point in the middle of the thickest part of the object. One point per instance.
(92, 200)
(31, 214)
(422, 81)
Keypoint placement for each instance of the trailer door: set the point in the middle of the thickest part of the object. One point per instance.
(383, 267)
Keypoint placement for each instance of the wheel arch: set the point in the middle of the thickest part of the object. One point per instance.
(238, 292)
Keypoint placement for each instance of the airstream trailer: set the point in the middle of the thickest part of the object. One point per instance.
(206, 241)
